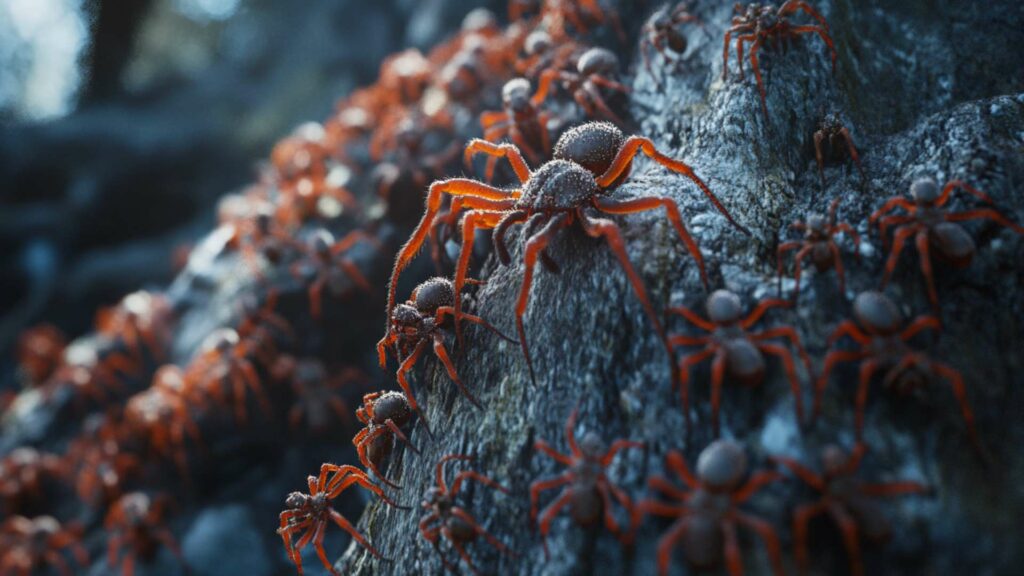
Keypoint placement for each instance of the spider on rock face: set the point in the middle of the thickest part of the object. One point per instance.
(764, 23)
(384, 414)
(595, 70)
(819, 245)
(831, 141)
(664, 33)
(589, 160)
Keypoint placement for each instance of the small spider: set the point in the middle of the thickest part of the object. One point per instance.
(29, 545)
(764, 23)
(142, 321)
(588, 491)
(310, 513)
(135, 528)
(384, 414)
(103, 459)
(161, 415)
(589, 161)
(665, 32)
(24, 475)
(39, 353)
(300, 156)
(446, 518)
(831, 141)
(327, 265)
(706, 510)
(880, 332)
(225, 361)
(737, 353)
(849, 502)
(420, 322)
(521, 120)
(933, 228)
(581, 14)
(819, 245)
(319, 396)
(404, 77)
(595, 69)
(540, 53)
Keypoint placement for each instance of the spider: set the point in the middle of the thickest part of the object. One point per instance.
(300, 156)
(310, 513)
(595, 69)
(763, 23)
(665, 32)
(588, 491)
(540, 53)
(736, 352)
(521, 120)
(880, 331)
(140, 319)
(28, 545)
(319, 397)
(135, 525)
(24, 475)
(419, 322)
(933, 228)
(818, 243)
(161, 414)
(848, 501)
(328, 265)
(581, 14)
(451, 520)
(40, 349)
(384, 414)
(404, 77)
(588, 161)
(831, 141)
(706, 511)
(225, 360)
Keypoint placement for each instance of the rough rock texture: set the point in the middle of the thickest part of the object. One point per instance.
(928, 88)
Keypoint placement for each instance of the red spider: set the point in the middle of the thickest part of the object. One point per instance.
(310, 513)
(327, 265)
(24, 474)
(135, 528)
(540, 53)
(933, 228)
(848, 501)
(706, 510)
(29, 545)
(40, 349)
(261, 329)
(384, 414)
(226, 361)
(420, 322)
(736, 352)
(588, 490)
(818, 243)
(161, 415)
(102, 461)
(880, 331)
(589, 160)
(521, 120)
(761, 24)
(523, 9)
(665, 32)
(595, 69)
(452, 521)
(300, 156)
(319, 396)
(404, 77)
(831, 141)
(140, 319)
(581, 14)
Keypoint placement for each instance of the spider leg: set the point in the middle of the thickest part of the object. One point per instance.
(548, 515)
(406, 366)
(819, 138)
(470, 223)
(787, 363)
(552, 453)
(831, 359)
(535, 244)
(823, 34)
(480, 530)
(498, 237)
(514, 156)
(867, 369)
(801, 518)
(598, 102)
(667, 542)
(798, 265)
(671, 211)
(802, 472)
(887, 489)
(890, 205)
(985, 213)
(624, 159)
(617, 446)
(692, 317)
(924, 255)
(684, 379)
(768, 534)
(899, 239)
(347, 527)
(956, 382)
(541, 485)
(717, 378)
(318, 545)
(472, 475)
(845, 133)
(958, 184)
(848, 529)
(733, 558)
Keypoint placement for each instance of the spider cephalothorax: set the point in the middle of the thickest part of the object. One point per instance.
(573, 188)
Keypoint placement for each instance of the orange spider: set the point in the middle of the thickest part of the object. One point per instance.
(24, 474)
(135, 528)
(29, 545)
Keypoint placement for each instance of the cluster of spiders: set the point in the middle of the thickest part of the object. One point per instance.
(546, 107)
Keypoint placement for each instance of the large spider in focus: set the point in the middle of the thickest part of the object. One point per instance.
(327, 265)
(764, 23)
(831, 141)
(309, 514)
(135, 526)
(446, 518)
(588, 491)
(819, 244)
(736, 352)
(28, 545)
(880, 332)
(384, 414)
(589, 160)
(595, 69)
(420, 322)
(706, 510)
(933, 228)
(521, 120)
(848, 501)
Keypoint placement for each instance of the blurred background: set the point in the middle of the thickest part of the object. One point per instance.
(122, 123)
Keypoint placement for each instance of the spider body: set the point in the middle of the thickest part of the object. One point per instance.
(328, 266)
(832, 141)
(818, 245)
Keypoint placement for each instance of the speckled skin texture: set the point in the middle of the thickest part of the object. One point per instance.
(927, 89)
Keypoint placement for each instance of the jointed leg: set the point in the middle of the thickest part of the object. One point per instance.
(985, 213)
(801, 518)
(924, 255)
(790, 368)
(541, 485)
(767, 533)
(347, 527)
(848, 529)
(831, 359)
(549, 514)
(515, 157)
(667, 542)
(899, 239)
(867, 370)
(534, 245)
(717, 377)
